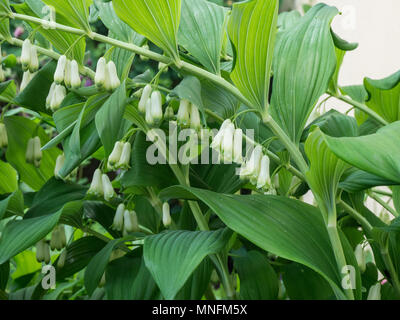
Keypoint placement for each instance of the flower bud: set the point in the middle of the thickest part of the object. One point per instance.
(61, 259)
(238, 146)
(156, 106)
(67, 74)
(374, 292)
(59, 165)
(34, 62)
(55, 239)
(46, 253)
(58, 97)
(26, 78)
(63, 237)
(40, 251)
(37, 152)
(162, 66)
(149, 115)
(101, 68)
(130, 222)
(50, 95)
(26, 54)
(144, 99)
(195, 121)
(264, 178)
(169, 113)
(118, 223)
(60, 71)
(115, 154)
(96, 187)
(360, 256)
(252, 166)
(75, 77)
(125, 159)
(166, 215)
(183, 116)
(113, 75)
(3, 136)
(227, 143)
(108, 189)
(216, 143)
(30, 149)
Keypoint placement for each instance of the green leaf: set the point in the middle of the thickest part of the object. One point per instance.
(304, 62)
(98, 264)
(201, 32)
(53, 196)
(20, 130)
(287, 19)
(258, 280)
(26, 264)
(75, 11)
(252, 29)
(8, 178)
(285, 227)
(197, 283)
(21, 234)
(384, 96)
(378, 153)
(172, 256)
(79, 254)
(127, 278)
(358, 180)
(302, 283)
(325, 172)
(110, 122)
(158, 21)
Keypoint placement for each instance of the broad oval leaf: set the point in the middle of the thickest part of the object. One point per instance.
(304, 62)
(8, 179)
(288, 228)
(172, 256)
(201, 32)
(157, 20)
(384, 96)
(378, 153)
(252, 30)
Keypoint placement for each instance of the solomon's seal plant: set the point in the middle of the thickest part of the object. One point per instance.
(138, 150)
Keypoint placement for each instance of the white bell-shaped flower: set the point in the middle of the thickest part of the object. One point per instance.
(26, 78)
(264, 178)
(166, 218)
(374, 292)
(131, 223)
(34, 63)
(26, 54)
(227, 143)
(114, 81)
(108, 189)
(144, 98)
(125, 159)
(156, 106)
(60, 70)
(58, 97)
(115, 154)
(101, 73)
(195, 120)
(360, 257)
(217, 141)
(118, 223)
(59, 165)
(96, 187)
(75, 77)
(183, 116)
(238, 146)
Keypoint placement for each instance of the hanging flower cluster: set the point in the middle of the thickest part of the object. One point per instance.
(106, 75)
(228, 142)
(29, 62)
(120, 157)
(150, 105)
(189, 115)
(43, 252)
(101, 186)
(125, 220)
(33, 153)
(58, 239)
